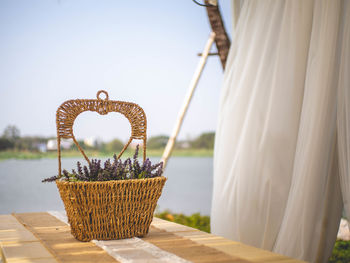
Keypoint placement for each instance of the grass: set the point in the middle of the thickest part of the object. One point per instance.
(93, 154)
(340, 254)
(20, 155)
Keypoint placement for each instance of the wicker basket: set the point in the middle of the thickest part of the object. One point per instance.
(111, 209)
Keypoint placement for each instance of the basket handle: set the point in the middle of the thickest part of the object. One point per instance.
(70, 109)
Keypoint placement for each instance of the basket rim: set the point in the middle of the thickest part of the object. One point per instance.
(158, 178)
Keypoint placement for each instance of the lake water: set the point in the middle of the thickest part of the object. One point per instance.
(188, 188)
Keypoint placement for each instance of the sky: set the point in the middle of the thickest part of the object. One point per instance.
(139, 51)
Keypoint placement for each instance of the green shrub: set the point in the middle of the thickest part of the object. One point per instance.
(157, 142)
(5, 144)
(195, 220)
(204, 141)
(115, 145)
(341, 252)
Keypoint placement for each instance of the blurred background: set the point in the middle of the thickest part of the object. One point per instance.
(138, 51)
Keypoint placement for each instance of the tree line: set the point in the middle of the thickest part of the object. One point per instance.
(11, 140)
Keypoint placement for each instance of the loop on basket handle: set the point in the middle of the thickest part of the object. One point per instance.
(69, 110)
(99, 93)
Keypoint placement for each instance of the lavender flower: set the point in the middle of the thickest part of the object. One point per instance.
(50, 179)
(116, 170)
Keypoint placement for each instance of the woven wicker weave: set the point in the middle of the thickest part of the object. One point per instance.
(111, 209)
(70, 109)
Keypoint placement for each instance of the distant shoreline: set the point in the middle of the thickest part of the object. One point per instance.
(22, 155)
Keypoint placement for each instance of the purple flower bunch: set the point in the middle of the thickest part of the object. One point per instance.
(116, 170)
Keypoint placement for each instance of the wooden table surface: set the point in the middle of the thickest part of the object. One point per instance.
(45, 238)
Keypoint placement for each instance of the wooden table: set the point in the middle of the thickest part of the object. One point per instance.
(43, 238)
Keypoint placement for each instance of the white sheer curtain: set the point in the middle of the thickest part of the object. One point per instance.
(284, 113)
(343, 113)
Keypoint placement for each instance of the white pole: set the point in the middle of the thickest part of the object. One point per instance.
(193, 84)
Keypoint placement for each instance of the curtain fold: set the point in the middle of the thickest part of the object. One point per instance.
(277, 162)
(343, 112)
